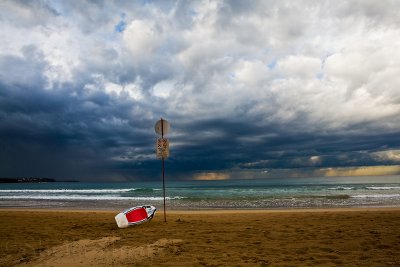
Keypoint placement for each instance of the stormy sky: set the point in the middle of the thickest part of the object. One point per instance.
(251, 89)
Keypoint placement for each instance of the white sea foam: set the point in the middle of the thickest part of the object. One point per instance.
(341, 188)
(383, 187)
(377, 196)
(90, 191)
(80, 197)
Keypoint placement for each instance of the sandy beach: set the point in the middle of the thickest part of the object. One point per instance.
(316, 237)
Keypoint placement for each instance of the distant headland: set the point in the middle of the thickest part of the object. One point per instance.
(32, 180)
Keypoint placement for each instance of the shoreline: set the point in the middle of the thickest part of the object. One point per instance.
(208, 211)
(173, 206)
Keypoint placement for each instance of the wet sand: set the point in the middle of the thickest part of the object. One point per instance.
(348, 237)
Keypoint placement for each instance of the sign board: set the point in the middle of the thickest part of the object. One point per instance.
(162, 148)
(162, 127)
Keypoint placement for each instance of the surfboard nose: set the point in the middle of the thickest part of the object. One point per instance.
(151, 211)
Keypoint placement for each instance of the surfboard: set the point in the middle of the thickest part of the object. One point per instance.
(135, 215)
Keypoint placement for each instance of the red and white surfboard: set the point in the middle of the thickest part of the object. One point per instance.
(135, 215)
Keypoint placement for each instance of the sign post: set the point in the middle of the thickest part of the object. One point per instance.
(162, 149)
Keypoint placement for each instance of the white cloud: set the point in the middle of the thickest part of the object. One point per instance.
(315, 159)
(142, 38)
(336, 63)
(163, 89)
(299, 66)
(252, 73)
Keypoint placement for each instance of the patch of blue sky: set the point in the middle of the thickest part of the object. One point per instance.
(56, 6)
(193, 13)
(272, 64)
(121, 26)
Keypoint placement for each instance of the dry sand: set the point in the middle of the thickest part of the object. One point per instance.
(346, 237)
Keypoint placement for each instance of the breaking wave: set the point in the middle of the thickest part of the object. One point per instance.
(84, 191)
(341, 188)
(83, 197)
(377, 196)
(383, 187)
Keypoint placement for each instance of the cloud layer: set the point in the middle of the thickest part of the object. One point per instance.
(247, 87)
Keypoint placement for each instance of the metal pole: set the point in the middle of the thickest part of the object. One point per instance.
(163, 182)
(163, 175)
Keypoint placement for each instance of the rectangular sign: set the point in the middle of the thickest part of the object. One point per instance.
(162, 148)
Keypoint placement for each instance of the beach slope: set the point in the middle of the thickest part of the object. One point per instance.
(220, 238)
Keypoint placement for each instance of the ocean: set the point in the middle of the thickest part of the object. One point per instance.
(323, 192)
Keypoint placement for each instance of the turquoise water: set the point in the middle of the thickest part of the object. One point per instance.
(377, 191)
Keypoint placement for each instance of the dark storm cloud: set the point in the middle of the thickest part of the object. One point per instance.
(221, 145)
(56, 133)
(249, 88)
